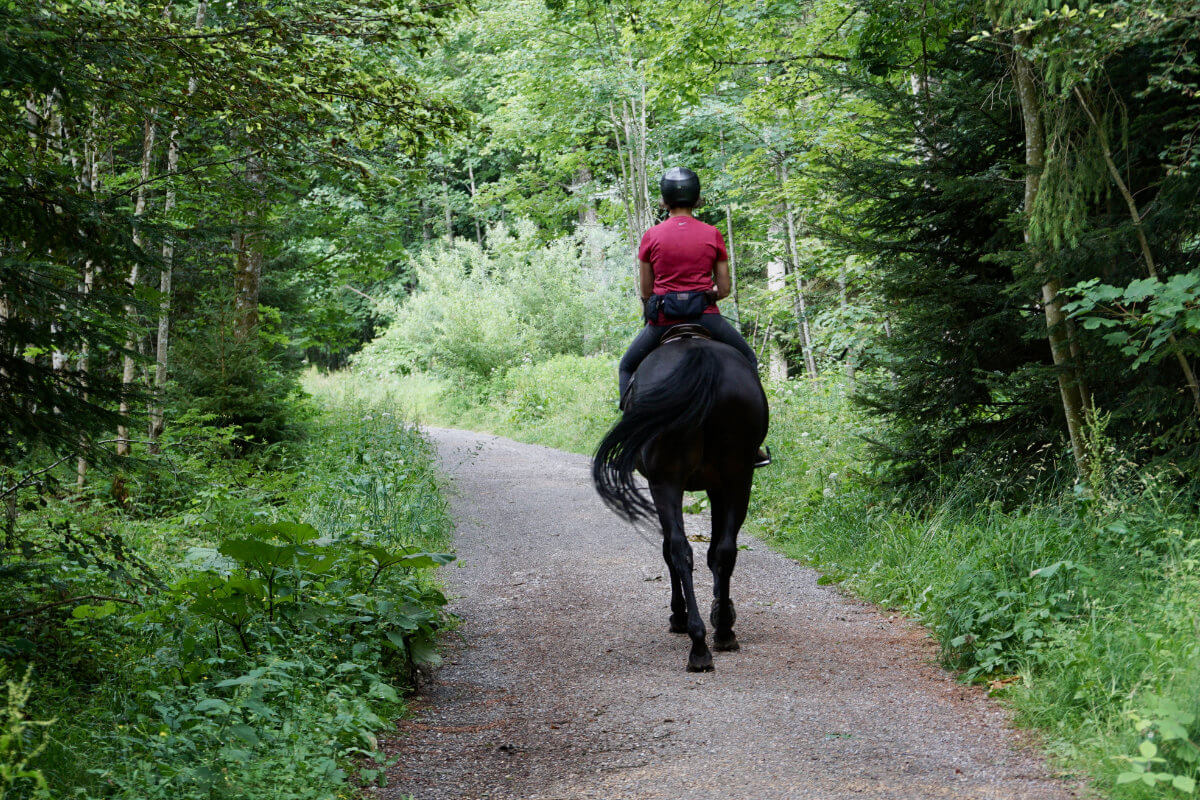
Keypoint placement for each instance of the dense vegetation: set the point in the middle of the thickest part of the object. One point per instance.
(964, 242)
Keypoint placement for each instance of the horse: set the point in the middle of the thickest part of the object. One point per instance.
(694, 419)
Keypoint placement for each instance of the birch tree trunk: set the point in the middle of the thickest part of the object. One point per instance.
(1035, 159)
(131, 341)
(90, 177)
(166, 275)
(629, 127)
(733, 282)
(851, 351)
(776, 283)
(474, 216)
(449, 218)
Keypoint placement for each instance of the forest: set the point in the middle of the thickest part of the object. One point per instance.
(247, 249)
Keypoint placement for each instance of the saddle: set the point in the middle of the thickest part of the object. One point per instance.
(676, 333)
(684, 330)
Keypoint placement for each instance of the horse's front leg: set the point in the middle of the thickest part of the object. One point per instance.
(669, 502)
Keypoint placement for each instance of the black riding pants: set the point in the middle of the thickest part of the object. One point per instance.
(650, 335)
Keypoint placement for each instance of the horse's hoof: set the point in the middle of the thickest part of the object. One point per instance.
(678, 623)
(726, 644)
(700, 663)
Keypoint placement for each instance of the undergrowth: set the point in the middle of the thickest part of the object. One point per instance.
(239, 628)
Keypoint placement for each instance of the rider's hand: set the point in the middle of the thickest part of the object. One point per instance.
(711, 295)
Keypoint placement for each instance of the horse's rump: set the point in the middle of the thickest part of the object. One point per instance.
(677, 390)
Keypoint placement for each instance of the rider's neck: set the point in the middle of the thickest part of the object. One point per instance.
(679, 212)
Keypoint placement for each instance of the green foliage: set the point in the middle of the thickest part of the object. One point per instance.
(1140, 319)
(272, 650)
(477, 314)
(249, 386)
(1166, 755)
(21, 741)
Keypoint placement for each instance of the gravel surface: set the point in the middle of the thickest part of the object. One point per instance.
(564, 683)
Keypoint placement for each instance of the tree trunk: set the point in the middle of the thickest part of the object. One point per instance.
(776, 282)
(844, 303)
(1035, 159)
(250, 244)
(630, 129)
(587, 209)
(446, 207)
(139, 209)
(733, 283)
(166, 275)
(91, 177)
(800, 308)
(426, 226)
(474, 216)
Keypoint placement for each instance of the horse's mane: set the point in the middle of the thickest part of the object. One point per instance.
(680, 400)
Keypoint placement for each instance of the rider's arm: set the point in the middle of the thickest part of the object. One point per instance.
(646, 279)
(721, 276)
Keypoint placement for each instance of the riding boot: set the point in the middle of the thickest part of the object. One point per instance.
(624, 381)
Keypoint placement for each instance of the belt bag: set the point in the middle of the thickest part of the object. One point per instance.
(677, 305)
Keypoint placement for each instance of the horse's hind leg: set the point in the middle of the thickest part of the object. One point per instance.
(678, 621)
(669, 502)
(728, 513)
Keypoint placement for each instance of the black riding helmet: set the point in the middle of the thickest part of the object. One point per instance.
(680, 188)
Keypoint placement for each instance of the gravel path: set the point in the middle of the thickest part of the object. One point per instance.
(565, 683)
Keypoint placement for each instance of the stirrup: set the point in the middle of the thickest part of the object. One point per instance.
(762, 462)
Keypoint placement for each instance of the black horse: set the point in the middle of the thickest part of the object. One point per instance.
(694, 420)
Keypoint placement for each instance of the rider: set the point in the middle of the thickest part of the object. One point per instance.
(683, 254)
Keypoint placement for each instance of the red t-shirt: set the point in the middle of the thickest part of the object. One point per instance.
(683, 251)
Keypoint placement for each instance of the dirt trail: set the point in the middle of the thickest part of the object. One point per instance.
(566, 684)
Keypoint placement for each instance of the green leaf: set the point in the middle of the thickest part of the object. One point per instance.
(255, 552)
(1184, 784)
(291, 532)
(245, 733)
(1129, 777)
(421, 651)
(1141, 289)
(383, 691)
(211, 706)
(100, 611)
(1148, 749)
(426, 560)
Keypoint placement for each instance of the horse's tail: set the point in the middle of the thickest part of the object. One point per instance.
(678, 401)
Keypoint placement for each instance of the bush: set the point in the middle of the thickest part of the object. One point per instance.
(477, 313)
